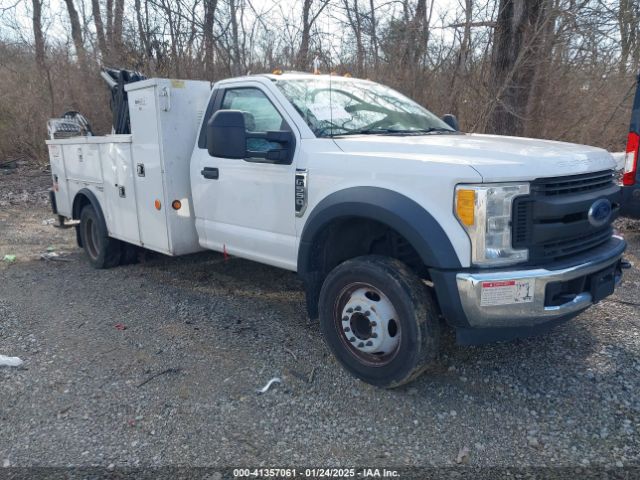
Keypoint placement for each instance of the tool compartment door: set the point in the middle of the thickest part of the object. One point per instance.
(148, 174)
(119, 192)
(59, 177)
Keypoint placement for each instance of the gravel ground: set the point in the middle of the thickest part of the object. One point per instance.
(178, 385)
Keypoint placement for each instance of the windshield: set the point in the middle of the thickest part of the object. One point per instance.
(345, 106)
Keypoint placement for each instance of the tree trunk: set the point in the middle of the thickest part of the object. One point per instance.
(97, 19)
(43, 71)
(235, 40)
(142, 33)
(302, 62)
(462, 58)
(76, 33)
(517, 34)
(542, 57)
(374, 34)
(39, 37)
(355, 22)
(118, 14)
(209, 12)
(109, 6)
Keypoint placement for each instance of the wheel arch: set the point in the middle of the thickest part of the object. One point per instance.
(385, 207)
(83, 198)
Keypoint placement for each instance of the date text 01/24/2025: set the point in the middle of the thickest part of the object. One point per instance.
(315, 473)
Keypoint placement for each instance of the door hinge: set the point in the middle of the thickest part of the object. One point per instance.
(140, 169)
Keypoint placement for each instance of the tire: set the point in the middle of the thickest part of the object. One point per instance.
(102, 250)
(358, 301)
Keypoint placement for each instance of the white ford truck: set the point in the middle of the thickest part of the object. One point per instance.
(393, 218)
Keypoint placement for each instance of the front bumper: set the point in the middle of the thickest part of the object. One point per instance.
(556, 291)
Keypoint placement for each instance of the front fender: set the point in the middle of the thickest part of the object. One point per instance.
(391, 208)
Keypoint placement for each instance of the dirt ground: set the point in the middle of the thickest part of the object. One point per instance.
(158, 364)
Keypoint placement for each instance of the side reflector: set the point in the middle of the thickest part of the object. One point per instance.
(631, 159)
(465, 206)
(176, 204)
(158, 204)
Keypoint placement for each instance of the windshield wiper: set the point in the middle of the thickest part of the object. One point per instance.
(393, 131)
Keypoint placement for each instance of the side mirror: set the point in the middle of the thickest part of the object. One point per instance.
(452, 121)
(226, 135)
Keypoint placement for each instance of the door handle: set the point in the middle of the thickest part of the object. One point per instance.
(210, 173)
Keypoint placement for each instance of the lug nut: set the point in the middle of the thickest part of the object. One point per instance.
(367, 313)
(347, 329)
(352, 339)
(374, 335)
(369, 343)
(373, 323)
(345, 318)
(358, 308)
(360, 345)
(349, 310)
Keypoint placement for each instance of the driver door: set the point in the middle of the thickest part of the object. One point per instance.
(246, 207)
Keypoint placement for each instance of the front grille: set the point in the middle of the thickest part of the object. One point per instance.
(551, 222)
(573, 184)
(522, 224)
(564, 248)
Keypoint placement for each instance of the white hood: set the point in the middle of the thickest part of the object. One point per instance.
(496, 158)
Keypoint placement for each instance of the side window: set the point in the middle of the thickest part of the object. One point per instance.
(259, 115)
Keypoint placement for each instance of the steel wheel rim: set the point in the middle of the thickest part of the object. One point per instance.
(91, 238)
(367, 324)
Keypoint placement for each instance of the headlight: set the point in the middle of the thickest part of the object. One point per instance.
(485, 213)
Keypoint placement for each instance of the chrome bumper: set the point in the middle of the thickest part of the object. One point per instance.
(532, 312)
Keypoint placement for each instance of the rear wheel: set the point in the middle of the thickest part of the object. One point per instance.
(379, 320)
(102, 251)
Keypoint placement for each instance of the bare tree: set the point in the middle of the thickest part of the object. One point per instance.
(373, 33)
(97, 20)
(118, 15)
(209, 12)
(629, 24)
(308, 19)
(517, 34)
(76, 33)
(354, 18)
(235, 39)
(462, 58)
(38, 36)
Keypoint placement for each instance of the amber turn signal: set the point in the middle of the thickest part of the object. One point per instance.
(157, 204)
(176, 204)
(465, 206)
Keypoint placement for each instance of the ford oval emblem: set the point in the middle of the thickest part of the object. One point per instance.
(600, 212)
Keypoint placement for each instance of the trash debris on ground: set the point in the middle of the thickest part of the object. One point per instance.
(156, 375)
(268, 385)
(306, 378)
(53, 257)
(9, 258)
(10, 361)
(49, 221)
(120, 326)
(463, 455)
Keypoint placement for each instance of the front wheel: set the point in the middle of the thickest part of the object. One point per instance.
(379, 320)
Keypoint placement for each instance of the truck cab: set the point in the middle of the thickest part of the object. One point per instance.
(394, 219)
